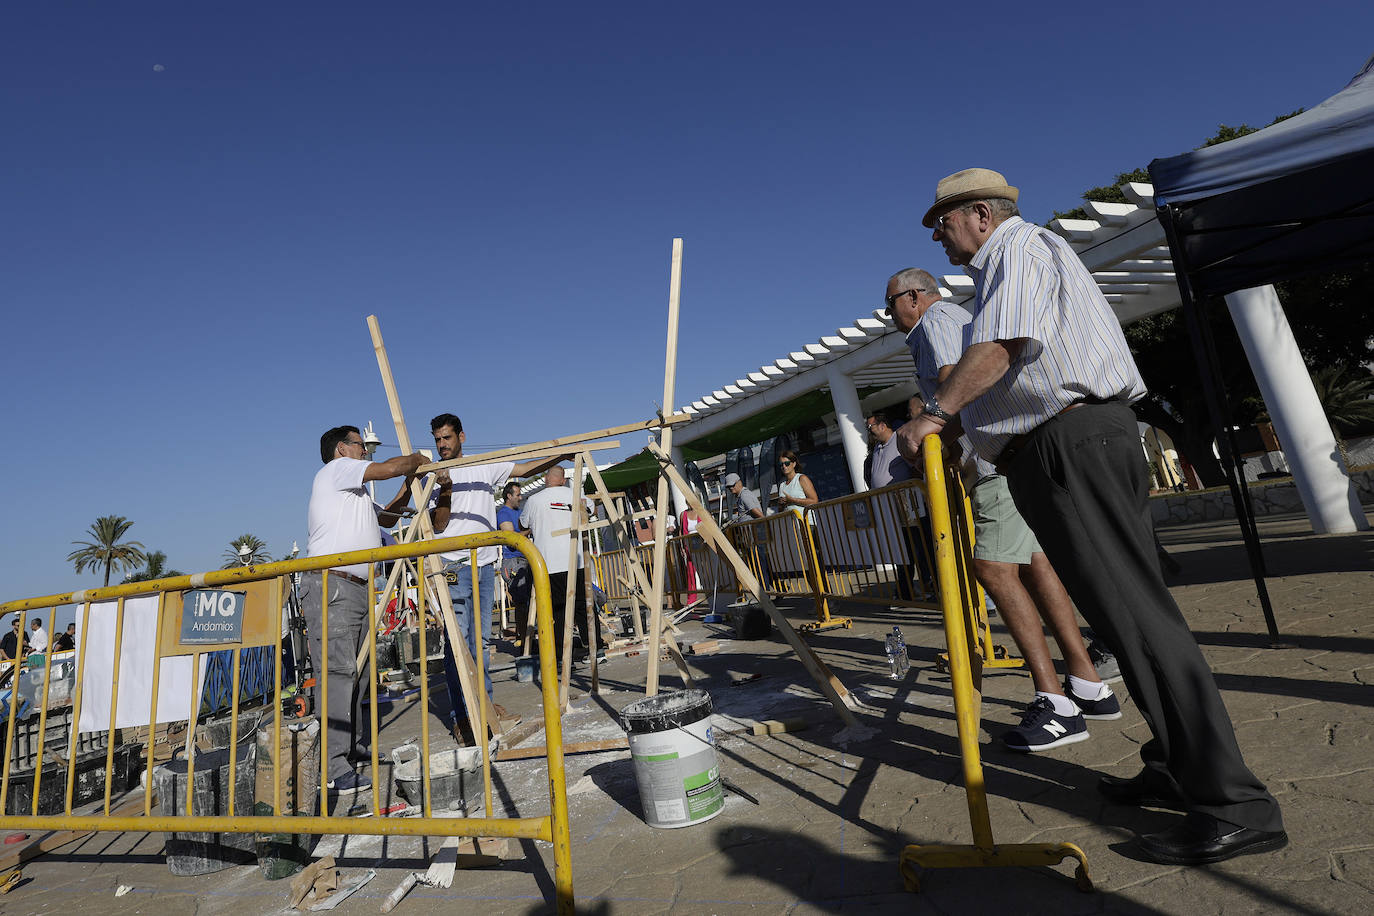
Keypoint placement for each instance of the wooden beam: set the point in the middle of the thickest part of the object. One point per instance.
(710, 532)
(664, 494)
(578, 440)
(578, 747)
(570, 591)
(457, 644)
(521, 452)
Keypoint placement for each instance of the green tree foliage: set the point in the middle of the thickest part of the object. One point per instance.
(106, 548)
(257, 552)
(154, 567)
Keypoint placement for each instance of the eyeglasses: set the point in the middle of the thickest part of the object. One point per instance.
(784, 462)
(940, 220)
(357, 442)
(892, 299)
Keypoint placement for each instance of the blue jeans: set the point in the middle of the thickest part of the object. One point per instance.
(460, 593)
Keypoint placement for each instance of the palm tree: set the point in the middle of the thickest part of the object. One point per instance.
(155, 567)
(256, 553)
(1347, 397)
(105, 549)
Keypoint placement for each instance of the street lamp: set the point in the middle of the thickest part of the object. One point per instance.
(245, 554)
(370, 440)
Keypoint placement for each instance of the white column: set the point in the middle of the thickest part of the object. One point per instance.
(679, 499)
(850, 417)
(1308, 444)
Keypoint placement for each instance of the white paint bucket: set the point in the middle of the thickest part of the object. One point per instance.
(674, 756)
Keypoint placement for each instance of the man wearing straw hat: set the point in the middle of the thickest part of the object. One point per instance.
(1044, 392)
(1007, 559)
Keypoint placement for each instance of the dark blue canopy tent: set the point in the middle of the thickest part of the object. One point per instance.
(1294, 198)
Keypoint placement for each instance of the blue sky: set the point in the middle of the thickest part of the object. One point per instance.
(203, 202)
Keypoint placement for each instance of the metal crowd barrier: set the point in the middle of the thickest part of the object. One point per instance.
(965, 625)
(874, 547)
(165, 613)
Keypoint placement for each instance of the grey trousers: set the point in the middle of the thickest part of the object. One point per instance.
(1080, 482)
(345, 728)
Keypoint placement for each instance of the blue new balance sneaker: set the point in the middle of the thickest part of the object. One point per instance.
(1109, 707)
(1042, 728)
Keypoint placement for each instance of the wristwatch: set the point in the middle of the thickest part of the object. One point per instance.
(932, 407)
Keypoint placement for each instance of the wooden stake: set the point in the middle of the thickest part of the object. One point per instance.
(664, 496)
(570, 592)
(462, 658)
(637, 569)
(711, 533)
(557, 446)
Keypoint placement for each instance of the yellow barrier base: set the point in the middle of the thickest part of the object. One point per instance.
(1000, 659)
(817, 626)
(914, 858)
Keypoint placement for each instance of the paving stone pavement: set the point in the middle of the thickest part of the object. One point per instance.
(824, 822)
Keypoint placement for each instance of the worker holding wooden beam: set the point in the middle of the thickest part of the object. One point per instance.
(464, 502)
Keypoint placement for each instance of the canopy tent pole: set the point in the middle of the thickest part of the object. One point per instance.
(1218, 408)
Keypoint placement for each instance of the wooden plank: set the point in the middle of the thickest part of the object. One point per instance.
(637, 569)
(512, 455)
(17, 854)
(581, 747)
(664, 496)
(570, 592)
(558, 445)
(710, 532)
(458, 645)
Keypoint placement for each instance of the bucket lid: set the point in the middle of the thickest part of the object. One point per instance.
(666, 710)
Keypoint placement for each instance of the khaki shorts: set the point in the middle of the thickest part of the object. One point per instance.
(1000, 534)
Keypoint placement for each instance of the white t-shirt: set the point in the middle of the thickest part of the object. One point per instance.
(38, 640)
(342, 515)
(547, 511)
(472, 507)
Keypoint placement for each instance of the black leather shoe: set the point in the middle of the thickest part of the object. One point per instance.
(1138, 790)
(1201, 839)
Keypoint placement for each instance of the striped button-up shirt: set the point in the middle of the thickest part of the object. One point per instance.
(1031, 285)
(939, 338)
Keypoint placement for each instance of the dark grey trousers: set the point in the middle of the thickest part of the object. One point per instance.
(348, 622)
(1080, 482)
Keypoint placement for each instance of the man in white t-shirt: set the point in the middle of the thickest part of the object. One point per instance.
(548, 511)
(464, 502)
(342, 518)
(38, 639)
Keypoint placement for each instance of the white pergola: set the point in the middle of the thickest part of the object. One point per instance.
(1124, 247)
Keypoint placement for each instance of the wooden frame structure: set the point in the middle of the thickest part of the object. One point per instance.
(659, 632)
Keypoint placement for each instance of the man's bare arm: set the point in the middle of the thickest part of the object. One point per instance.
(400, 466)
(977, 370)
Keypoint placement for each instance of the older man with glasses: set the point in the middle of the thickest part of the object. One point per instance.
(342, 517)
(1007, 559)
(1044, 392)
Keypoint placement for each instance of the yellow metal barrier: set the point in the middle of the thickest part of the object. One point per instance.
(958, 589)
(781, 553)
(261, 626)
(872, 547)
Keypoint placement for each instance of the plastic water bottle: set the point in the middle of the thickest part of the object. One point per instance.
(897, 661)
(903, 660)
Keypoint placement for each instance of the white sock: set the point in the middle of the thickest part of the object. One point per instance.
(1088, 690)
(1063, 706)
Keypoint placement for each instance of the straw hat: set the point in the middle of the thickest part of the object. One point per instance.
(970, 184)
